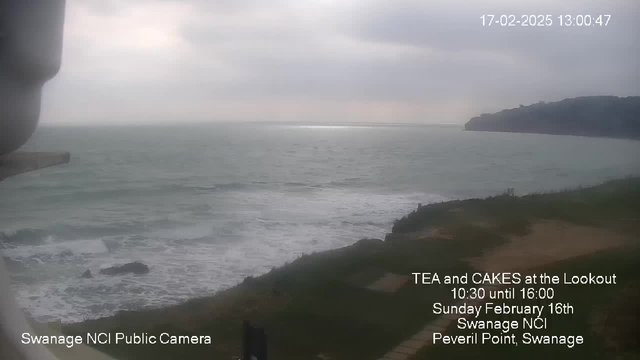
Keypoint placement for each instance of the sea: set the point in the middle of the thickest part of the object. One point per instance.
(206, 205)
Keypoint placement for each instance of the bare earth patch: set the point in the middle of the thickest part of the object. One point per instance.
(443, 232)
(547, 242)
(389, 283)
(485, 224)
(436, 233)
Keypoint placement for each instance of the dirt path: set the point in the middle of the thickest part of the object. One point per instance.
(547, 242)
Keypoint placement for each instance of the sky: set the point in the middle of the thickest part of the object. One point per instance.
(329, 61)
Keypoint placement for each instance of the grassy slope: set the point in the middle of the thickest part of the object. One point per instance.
(317, 304)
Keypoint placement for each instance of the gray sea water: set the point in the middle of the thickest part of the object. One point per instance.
(207, 205)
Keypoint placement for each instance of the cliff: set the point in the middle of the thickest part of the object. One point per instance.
(607, 116)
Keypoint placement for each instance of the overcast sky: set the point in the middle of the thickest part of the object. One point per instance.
(148, 61)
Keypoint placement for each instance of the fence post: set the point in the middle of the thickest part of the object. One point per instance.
(246, 340)
(261, 350)
(254, 342)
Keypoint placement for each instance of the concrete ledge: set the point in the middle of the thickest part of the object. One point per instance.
(22, 162)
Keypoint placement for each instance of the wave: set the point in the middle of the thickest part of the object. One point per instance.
(23, 236)
(138, 191)
(354, 181)
(193, 232)
(129, 191)
(366, 223)
(14, 266)
(224, 186)
(52, 250)
(295, 184)
(232, 186)
(346, 182)
(37, 236)
(51, 186)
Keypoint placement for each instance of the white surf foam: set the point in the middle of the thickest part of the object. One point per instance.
(199, 259)
(52, 248)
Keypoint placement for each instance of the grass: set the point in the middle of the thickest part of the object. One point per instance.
(602, 205)
(318, 303)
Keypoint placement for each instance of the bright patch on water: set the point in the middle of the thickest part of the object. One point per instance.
(330, 127)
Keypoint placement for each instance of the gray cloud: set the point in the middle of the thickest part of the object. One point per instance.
(364, 61)
(563, 61)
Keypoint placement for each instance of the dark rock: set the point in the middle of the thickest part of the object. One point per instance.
(134, 268)
(66, 253)
(86, 274)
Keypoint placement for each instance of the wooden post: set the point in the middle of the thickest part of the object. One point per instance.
(246, 340)
(261, 344)
(254, 342)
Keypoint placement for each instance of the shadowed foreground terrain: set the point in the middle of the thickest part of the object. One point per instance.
(360, 301)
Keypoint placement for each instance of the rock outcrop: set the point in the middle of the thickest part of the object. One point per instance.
(133, 268)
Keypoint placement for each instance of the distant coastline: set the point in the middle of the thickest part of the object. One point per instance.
(594, 116)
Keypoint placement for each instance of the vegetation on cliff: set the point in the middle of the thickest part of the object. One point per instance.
(607, 116)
